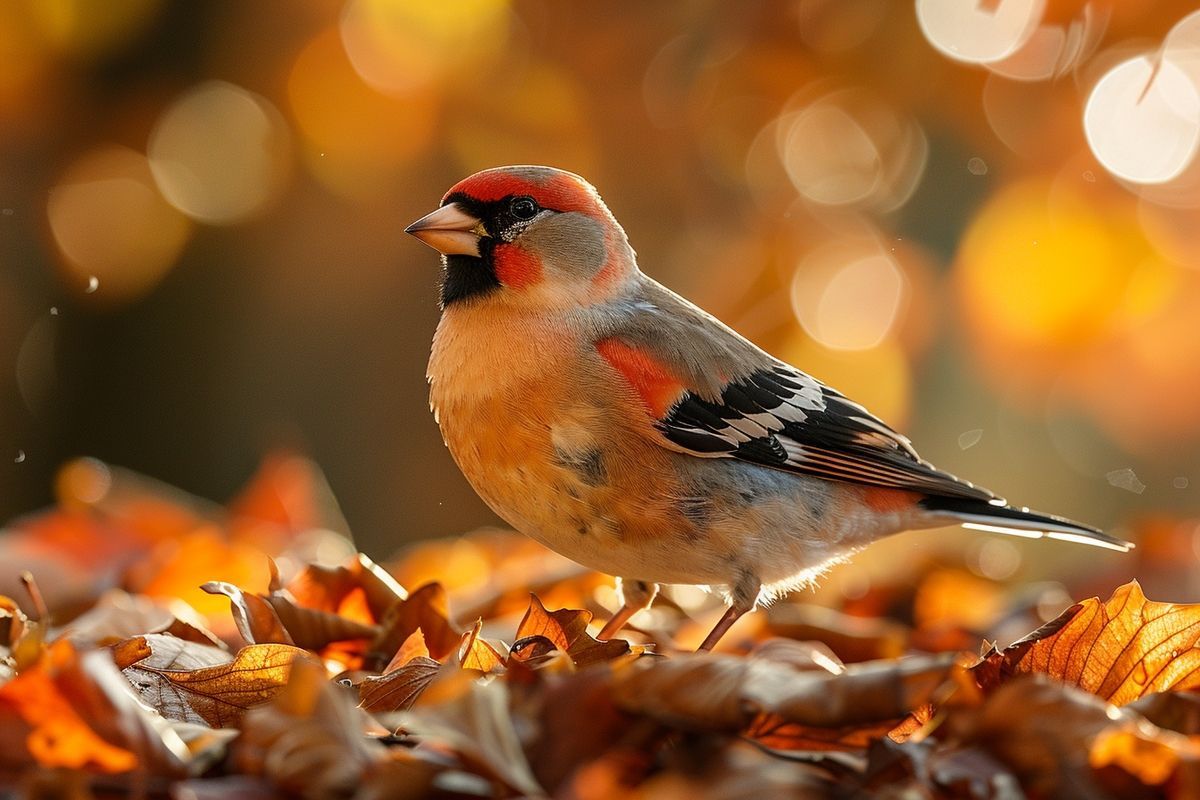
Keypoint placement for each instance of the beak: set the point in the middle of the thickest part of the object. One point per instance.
(449, 230)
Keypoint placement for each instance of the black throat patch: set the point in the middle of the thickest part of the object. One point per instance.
(465, 277)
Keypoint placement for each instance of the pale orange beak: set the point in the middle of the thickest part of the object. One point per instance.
(449, 230)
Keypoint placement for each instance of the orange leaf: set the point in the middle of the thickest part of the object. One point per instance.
(561, 627)
(218, 695)
(566, 629)
(476, 653)
(55, 735)
(362, 590)
(1118, 650)
(426, 609)
(414, 646)
(176, 569)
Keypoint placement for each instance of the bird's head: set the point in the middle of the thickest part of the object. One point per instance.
(527, 236)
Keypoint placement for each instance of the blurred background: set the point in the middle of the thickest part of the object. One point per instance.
(978, 218)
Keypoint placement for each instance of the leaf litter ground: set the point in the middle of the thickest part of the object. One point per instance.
(154, 645)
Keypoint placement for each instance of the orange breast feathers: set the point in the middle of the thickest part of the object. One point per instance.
(656, 386)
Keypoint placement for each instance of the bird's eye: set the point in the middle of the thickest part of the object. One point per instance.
(523, 208)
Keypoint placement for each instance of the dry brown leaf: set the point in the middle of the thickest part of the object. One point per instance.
(118, 615)
(287, 495)
(1047, 732)
(256, 619)
(727, 693)
(313, 629)
(400, 688)
(165, 652)
(931, 768)
(852, 638)
(218, 695)
(477, 724)
(308, 740)
(425, 608)
(1174, 711)
(1118, 650)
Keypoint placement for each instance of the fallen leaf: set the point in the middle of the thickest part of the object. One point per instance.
(1118, 650)
(255, 617)
(308, 740)
(176, 569)
(425, 608)
(1174, 711)
(728, 693)
(118, 615)
(476, 653)
(478, 725)
(361, 591)
(287, 496)
(219, 695)
(162, 651)
(38, 722)
(566, 630)
(852, 638)
(1046, 731)
(400, 688)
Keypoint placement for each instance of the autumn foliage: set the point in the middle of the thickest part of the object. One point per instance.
(177, 649)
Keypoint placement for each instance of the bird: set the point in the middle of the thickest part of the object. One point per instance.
(617, 423)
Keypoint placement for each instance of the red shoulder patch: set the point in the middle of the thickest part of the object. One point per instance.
(885, 500)
(657, 388)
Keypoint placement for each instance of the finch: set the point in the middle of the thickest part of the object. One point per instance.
(615, 422)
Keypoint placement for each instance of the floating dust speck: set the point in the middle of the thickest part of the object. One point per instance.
(20, 457)
(968, 439)
(93, 284)
(54, 311)
(1180, 483)
(977, 166)
(1089, 176)
(1126, 479)
(8, 212)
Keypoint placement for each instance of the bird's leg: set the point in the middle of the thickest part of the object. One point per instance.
(743, 598)
(635, 595)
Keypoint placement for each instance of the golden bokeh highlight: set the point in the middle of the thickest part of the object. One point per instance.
(849, 295)
(398, 46)
(219, 153)
(356, 140)
(116, 234)
(538, 116)
(1039, 280)
(87, 29)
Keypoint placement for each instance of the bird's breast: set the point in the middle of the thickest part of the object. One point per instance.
(532, 427)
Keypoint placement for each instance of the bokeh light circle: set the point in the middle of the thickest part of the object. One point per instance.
(110, 223)
(979, 33)
(220, 153)
(1142, 120)
(849, 297)
(398, 45)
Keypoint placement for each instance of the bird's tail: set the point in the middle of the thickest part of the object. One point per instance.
(996, 517)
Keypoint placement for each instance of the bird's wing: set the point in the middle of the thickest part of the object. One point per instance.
(713, 394)
(781, 417)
